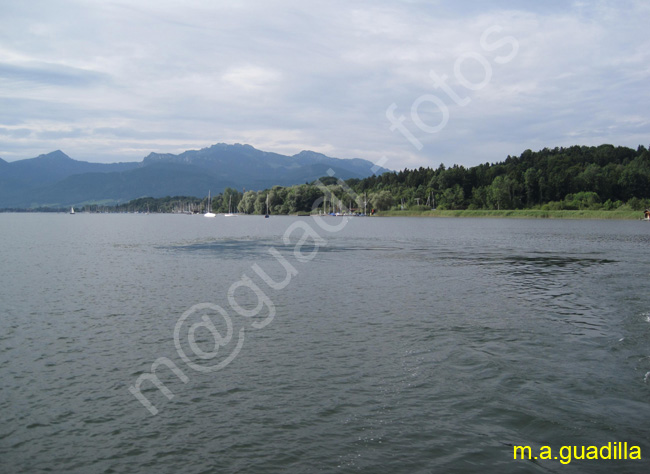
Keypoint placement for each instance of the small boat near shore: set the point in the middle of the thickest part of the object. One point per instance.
(230, 213)
(209, 212)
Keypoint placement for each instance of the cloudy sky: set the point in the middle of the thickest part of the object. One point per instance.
(464, 81)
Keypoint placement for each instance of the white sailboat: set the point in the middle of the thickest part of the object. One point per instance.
(72, 210)
(230, 214)
(267, 207)
(209, 213)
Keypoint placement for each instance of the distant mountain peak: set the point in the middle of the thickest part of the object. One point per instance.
(232, 145)
(153, 156)
(54, 155)
(56, 179)
(310, 154)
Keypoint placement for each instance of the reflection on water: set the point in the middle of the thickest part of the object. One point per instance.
(226, 248)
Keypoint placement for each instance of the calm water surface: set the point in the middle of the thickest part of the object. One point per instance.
(402, 345)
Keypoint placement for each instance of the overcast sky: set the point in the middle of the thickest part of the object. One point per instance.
(114, 80)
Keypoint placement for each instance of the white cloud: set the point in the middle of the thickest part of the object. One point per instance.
(251, 78)
(126, 78)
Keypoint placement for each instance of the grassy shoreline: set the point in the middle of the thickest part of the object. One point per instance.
(519, 213)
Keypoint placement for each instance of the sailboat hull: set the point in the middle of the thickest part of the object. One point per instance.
(209, 213)
(230, 213)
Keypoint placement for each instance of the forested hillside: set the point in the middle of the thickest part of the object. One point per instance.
(561, 178)
(603, 177)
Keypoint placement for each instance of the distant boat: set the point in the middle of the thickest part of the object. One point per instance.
(267, 207)
(72, 210)
(230, 214)
(209, 213)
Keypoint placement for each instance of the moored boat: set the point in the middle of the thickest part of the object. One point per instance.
(209, 212)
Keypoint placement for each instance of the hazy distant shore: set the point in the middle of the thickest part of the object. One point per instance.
(510, 213)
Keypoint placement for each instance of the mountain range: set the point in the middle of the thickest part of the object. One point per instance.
(56, 180)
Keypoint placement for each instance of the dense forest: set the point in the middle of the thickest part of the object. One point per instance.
(578, 177)
(603, 177)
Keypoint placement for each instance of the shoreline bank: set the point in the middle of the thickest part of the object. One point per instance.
(519, 214)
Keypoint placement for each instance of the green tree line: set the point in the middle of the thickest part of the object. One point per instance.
(578, 177)
(603, 177)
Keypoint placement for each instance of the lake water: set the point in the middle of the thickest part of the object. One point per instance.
(396, 345)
